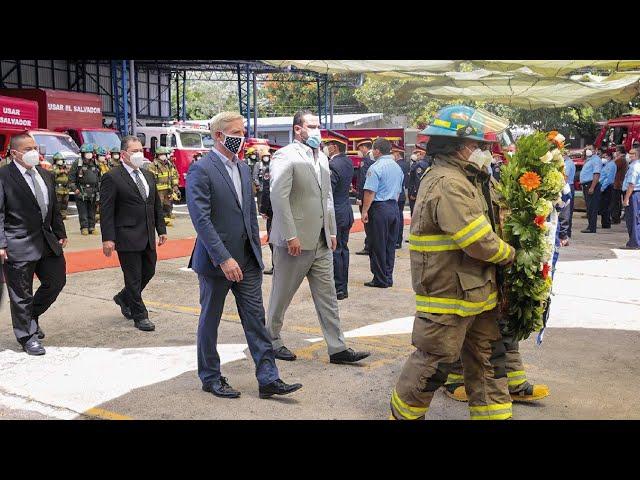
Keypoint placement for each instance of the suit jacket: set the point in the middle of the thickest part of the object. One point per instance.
(22, 231)
(405, 169)
(223, 227)
(302, 205)
(362, 175)
(341, 168)
(125, 218)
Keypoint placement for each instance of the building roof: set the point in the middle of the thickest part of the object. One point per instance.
(267, 124)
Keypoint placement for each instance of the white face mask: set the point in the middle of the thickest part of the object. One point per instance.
(88, 156)
(414, 158)
(31, 158)
(480, 158)
(588, 153)
(325, 150)
(137, 159)
(628, 158)
(162, 157)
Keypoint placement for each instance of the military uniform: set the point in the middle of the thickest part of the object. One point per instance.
(61, 178)
(166, 176)
(85, 178)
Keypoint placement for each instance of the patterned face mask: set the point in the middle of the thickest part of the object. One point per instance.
(233, 144)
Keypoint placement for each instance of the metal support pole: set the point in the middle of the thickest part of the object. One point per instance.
(184, 95)
(248, 111)
(318, 98)
(332, 100)
(125, 105)
(255, 106)
(132, 92)
(177, 95)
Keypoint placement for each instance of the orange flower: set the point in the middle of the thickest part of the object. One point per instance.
(530, 181)
(539, 221)
(552, 134)
(545, 270)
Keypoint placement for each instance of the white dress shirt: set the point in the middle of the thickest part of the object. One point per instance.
(234, 173)
(133, 177)
(39, 179)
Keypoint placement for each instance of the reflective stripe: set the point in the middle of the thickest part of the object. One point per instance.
(498, 411)
(406, 411)
(454, 378)
(481, 220)
(472, 232)
(455, 306)
(441, 123)
(502, 253)
(432, 243)
(516, 378)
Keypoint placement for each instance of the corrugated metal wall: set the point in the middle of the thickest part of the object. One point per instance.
(153, 88)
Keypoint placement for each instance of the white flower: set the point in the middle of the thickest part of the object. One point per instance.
(546, 158)
(557, 155)
(558, 138)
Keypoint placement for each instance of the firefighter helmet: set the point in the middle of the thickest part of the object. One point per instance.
(86, 148)
(163, 151)
(101, 151)
(462, 121)
(58, 156)
(115, 150)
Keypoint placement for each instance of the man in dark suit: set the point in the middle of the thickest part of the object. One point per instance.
(130, 215)
(364, 152)
(398, 155)
(32, 236)
(228, 256)
(341, 168)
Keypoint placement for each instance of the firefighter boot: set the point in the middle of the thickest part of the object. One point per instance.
(456, 391)
(84, 231)
(529, 393)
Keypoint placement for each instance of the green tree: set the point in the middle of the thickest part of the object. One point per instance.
(206, 98)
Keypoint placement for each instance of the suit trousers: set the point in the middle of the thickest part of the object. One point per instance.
(25, 306)
(341, 259)
(383, 221)
(632, 217)
(269, 222)
(138, 269)
(605, 207)
(400, 222)
(572, 203)
(593, 204)
(248, 295)
(616, 205)
(317, 266)
(86, 213)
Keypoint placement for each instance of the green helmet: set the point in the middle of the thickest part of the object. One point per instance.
(58, 156)
(101, 151)
(461, 121)
(163, 151)
(115, 150)
(86, 148)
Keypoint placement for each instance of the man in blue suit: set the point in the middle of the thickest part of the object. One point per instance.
(398, 155)
(228, 256)
(341, 168)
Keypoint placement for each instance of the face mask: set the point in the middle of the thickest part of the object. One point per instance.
(88, 156)
(325, 150)
(480, 158)
(266, 159)
(588, 153)
(360, 154)
(233, 144)
(31, 158)
(414, 158)
(136, 159)
(115, 157)
(371, 155)
(101, 159)
(60, 162)
(314, 139)
(162, 157)
(628, 158)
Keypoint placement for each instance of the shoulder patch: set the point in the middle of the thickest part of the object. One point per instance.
(369, 173)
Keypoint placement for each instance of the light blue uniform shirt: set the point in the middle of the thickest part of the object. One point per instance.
(385, 178)
(608, 174)
(592, 166)
(632, 176)
(570, 170)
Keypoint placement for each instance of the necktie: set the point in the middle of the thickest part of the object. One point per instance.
(143, 192)
(38, 191)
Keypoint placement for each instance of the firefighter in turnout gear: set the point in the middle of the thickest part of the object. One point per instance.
(84, 181)
(61, 178)
(166, 181)
(103, 166)
(114, 157)
(454, 254)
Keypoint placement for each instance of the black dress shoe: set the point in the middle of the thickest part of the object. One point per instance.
(283, 353)
(363, 252)
(221, 389)
(278, 388)
(348, 356)
(342, 295)
(587, 231)
(124, 309)
(144, 324)
(398, 246)
(374, 284)
(40, 333)
(33, 346)
(606, 227)
(268, 272)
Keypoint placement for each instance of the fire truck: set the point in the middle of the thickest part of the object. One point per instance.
(623, 131)
(186, 139)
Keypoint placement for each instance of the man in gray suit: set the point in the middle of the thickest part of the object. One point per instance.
(303, 233)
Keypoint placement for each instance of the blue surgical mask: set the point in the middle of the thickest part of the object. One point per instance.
(314, 140)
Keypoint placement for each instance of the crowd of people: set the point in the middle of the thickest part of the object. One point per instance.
(303, 191)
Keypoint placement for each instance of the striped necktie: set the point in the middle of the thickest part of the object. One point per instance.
(143, 192)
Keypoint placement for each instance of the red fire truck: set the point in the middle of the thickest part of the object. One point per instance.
(623, 131)
(77, 114)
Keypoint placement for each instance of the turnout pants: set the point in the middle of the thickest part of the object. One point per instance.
(632, 217)
(341, 259)
(167, 202)
(317, 266)
(605, 207)
(248, 295)
(383, 223)
(593, 204)
(25, 306)
(440, 340)
(400, 223)
(63, 203)
(138, 269)
(616, 205)
(87, 213)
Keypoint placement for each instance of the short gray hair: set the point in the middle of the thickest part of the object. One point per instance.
(126, 140)
(16, 139)
(222, 119)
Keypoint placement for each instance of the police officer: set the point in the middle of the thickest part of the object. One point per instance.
(380, 211)
(166, 181)
(61, 178)
(341, 168)
(114, 157)
(609, 171)
(264, 207)
(84, 179)
(454, 253)
(398, 155)
(590, 181)
(365, 153)
(631, 202)
(415, 173)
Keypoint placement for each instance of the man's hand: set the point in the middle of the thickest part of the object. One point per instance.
(591, 190)
(77, 192)
(162, 239)
(108, 247)
(411, 198)
(334, 243)
(63, 242)
(625, 202)
(294, 247)
(4, 256)
(232, 270)
(358, 202)
(564, 242)
(365, 217)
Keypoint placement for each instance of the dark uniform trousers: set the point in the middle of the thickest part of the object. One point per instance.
(138, 269)
(616, 205)
(341, 259)
(593, 204)
(400, 222)
(383, 223)
(25, 306)
(605, 207)
(632, 217)
(87, 212)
